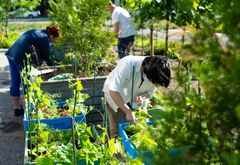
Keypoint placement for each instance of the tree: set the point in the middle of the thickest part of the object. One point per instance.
(207, 118)
(181, 12)
(83, 36)
(7, 5)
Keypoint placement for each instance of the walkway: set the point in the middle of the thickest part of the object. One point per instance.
(11, 131)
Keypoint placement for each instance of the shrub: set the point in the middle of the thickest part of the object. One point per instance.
(82, 33)
(7, 42)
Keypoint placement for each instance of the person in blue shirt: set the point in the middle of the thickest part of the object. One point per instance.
(37, 43)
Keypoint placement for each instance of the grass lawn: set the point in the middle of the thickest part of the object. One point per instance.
(20, 27)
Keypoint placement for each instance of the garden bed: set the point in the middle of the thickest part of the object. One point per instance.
(64, 121)
(129, 147)
(44, 145)
(146, 155)
(30, 159)
(91, 85)
(56, 123)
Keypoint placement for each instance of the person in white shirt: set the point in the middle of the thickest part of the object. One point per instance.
(123, 28)
(132, 81)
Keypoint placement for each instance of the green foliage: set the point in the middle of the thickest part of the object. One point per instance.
(43, 104)
(15, 29)
(7, 5)
(173, 51)
(219, 77)
(204, 114)
(7, 42)
(21, 27)
(55, 146)
(83, 36)
(181, 12)
(50, 146)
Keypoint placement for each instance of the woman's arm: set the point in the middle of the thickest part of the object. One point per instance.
(122, 106)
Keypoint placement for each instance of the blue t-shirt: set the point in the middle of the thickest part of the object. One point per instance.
(38, 39)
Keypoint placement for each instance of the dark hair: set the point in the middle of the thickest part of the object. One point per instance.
(157, 70)
(53, 30)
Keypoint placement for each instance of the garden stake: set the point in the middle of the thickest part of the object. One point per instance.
(132, 87)
(73, 140)
(28, 122)
(94, 82)
(27, 68)
(166, 39)
(142, 42)
(30, 138)
(38, 123)
(73, 125)
(75, 100)
(75, 68)
(168, 16)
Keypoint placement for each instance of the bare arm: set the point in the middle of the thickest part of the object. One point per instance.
(119, 101)
(130, 116)
(116, 28)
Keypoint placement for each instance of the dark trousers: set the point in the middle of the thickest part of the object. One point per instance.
(124, 46)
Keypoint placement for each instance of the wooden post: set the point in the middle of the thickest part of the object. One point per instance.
(166, 39)
(151, 41)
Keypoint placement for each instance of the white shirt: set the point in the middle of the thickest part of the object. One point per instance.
(122, 16)
(120, 80)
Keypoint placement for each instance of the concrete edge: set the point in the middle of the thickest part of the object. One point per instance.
(2, 50)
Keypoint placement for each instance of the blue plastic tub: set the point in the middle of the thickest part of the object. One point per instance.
(56, 123)
(147, 155)
(129, 147)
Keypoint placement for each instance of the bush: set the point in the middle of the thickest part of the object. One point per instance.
(173, 50)
(83, 36)
(7, 42)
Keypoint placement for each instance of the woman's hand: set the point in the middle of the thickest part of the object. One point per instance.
(139, 100)
(130, 116)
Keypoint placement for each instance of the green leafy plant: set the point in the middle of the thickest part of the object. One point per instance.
(55, 146)
(7, 42)
(7, 5)
(83, 36)
(42, 105)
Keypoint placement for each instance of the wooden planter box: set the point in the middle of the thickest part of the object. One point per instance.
(91, 86)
